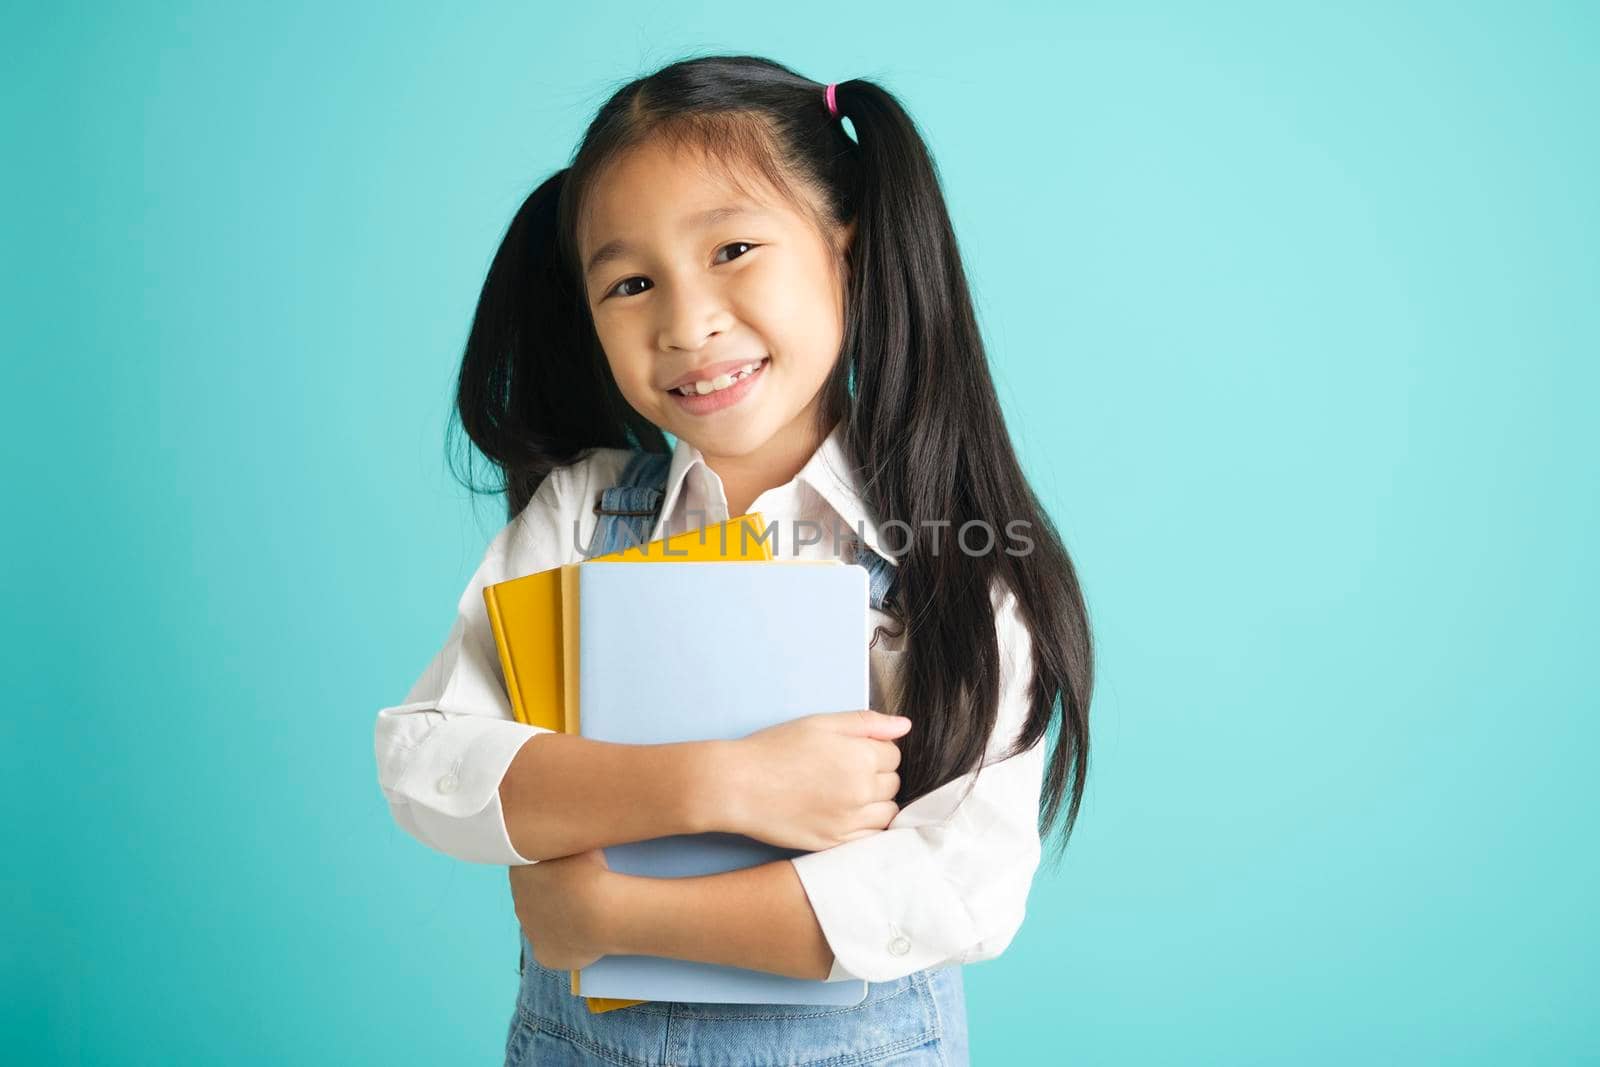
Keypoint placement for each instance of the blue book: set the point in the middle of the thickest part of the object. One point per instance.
(713, 651)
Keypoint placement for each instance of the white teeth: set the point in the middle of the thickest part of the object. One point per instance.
(720, 382)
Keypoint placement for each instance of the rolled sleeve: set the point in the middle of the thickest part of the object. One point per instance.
(443, 752)
(447, 782)
(947, 881)
(913, 897)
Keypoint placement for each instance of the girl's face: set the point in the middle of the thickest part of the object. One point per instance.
(683, 292)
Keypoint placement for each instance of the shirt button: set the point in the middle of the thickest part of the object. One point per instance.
(900, 946)
(447, 784)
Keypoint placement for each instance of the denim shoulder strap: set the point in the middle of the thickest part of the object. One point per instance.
(628, 510)
(880, 573)
(881, 576)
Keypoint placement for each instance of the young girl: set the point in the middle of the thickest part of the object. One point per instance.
(723, 262)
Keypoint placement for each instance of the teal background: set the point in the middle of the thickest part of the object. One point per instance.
(1293, 315)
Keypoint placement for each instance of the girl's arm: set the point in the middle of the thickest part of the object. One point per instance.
(810, 780)
(564, 794)
(756, 917)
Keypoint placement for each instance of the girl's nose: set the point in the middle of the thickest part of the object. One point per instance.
(693, 315)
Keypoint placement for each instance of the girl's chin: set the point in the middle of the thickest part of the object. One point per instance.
(741, 436)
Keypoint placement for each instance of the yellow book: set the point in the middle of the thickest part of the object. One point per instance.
(530, 615)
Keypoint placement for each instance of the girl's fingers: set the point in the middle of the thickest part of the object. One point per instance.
(868, 722)
(880, 813)
(888, 784)
(888, 755)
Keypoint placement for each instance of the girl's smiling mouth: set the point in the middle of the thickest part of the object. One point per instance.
(720, 391)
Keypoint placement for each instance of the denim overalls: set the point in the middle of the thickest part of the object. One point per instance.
(911, 1021)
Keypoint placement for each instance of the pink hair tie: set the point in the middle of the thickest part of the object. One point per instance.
(833, 104)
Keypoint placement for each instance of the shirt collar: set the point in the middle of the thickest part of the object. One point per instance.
(829, 472)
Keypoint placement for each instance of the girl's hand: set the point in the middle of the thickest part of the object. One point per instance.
(816, 781)
(561, 907)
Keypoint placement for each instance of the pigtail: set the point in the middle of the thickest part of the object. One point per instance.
(926, 426)
(534, 391)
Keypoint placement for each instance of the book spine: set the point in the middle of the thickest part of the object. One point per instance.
(492, 605)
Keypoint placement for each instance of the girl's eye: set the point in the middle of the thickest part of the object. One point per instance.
(737, 244)
(617, 289)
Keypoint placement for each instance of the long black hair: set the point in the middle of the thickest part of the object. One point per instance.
(912, 386)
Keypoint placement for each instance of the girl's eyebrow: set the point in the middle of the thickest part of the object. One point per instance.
(616, 248)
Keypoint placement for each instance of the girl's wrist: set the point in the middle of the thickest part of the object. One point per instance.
(608, 928)
(633, 914)
(718, 791)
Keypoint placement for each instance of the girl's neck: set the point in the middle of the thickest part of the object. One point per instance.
(746, 477)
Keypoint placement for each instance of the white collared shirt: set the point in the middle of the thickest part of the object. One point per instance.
(946, 882)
